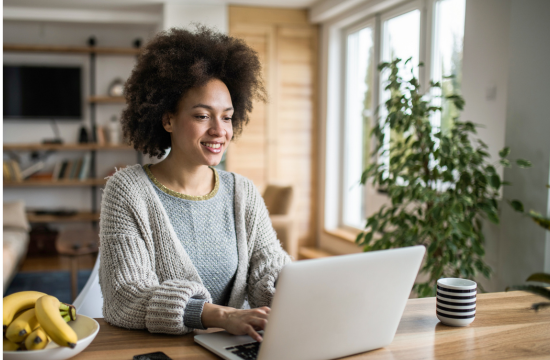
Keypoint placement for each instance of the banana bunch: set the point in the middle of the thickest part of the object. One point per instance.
(31, 319)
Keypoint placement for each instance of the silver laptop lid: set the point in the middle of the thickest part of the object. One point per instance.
(342, 305)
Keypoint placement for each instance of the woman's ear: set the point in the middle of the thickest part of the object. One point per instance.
(167, 122)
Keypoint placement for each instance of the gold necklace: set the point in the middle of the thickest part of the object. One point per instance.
(180, 195)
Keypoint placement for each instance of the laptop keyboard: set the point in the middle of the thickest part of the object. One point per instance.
(246, 351)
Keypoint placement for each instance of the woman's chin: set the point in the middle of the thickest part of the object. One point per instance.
(212, 161)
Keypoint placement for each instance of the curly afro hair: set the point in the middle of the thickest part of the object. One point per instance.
(175, 61)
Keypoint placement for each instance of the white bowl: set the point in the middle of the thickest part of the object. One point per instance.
(86, 329)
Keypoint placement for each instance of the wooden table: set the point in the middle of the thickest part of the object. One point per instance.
(505, 328)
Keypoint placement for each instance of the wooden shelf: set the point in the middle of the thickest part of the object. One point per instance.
(81, 216)
(71, 49)
(107, 99)
(58, 183)
(63, 147)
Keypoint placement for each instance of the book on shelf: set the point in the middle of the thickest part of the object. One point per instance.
(75, 169)
(56, 170)
(7, 172)
(85, 169)
(62, 169)
(12, 171)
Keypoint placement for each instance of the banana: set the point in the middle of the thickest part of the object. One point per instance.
(17, 302)
(10, 346)
(48, 315)
(37, 340)
(22, 326)
(72, 312)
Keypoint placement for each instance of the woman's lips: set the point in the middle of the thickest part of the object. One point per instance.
(215, 148)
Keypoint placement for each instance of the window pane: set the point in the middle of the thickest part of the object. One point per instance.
(447, 55)
(400, 39)
(358, 110)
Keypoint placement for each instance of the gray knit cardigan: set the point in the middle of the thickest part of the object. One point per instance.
(146, 276)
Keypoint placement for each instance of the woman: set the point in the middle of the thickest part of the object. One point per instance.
(185, 246)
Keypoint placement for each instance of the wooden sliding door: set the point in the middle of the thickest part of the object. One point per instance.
(278, 145)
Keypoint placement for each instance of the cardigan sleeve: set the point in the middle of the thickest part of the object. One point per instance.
(133, 296)
(267, 257)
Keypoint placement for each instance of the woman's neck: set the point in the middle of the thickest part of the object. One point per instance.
(183, 177)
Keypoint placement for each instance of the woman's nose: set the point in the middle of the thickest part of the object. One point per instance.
(217, 129)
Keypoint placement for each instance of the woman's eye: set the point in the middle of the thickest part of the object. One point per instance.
(227, 119)
(202, 117)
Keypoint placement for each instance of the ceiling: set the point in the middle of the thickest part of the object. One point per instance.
(145, 5)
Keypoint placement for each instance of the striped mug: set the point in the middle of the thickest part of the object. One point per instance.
(456, 301)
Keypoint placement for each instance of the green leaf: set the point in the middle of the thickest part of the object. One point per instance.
(505, 162)
(523, 163)
(540, 277)
(504, 152)
(494, 181)
(516, 205)
(537, 290)
(359, 237)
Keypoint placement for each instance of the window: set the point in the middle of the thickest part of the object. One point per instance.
(400, 39)
(402, 32)
(447, 55)
(358, 118)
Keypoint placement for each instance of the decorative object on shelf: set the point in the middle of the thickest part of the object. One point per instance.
(34, 168)
(91, 41)
(113, 130)
(440, 183)
(100, 135)
(137, 43)
(116, 88)
(83, 135)
(57, 139)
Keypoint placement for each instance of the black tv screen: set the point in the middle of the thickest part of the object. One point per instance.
(42, 92)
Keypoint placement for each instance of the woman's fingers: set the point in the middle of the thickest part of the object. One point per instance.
(253, 334)
(260, 323)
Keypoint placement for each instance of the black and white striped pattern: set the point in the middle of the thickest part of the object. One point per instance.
(455, 304)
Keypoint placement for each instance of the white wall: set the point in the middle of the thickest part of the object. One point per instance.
(524, 244)
(485, 90)
(185, 15)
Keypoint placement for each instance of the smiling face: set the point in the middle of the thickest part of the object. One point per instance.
(201, 128)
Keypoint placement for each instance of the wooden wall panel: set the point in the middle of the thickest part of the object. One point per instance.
(287, 45)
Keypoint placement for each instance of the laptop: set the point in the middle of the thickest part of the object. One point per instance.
(329, 308)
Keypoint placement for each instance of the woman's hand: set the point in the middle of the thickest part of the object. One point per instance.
(236, 321)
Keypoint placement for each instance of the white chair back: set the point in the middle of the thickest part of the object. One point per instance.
(90, 300)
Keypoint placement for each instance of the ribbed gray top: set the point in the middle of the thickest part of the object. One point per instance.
(206, 229)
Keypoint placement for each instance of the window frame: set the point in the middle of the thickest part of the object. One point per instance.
(372, 22)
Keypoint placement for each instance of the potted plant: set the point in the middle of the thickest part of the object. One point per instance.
(440, 183)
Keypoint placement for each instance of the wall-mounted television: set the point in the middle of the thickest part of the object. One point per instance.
(42, 92)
